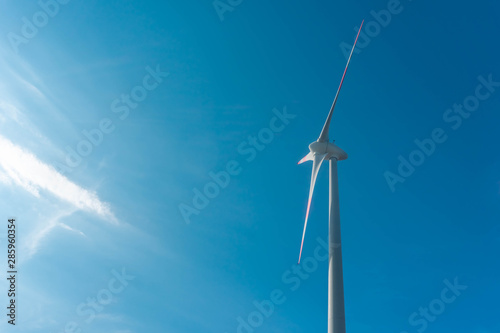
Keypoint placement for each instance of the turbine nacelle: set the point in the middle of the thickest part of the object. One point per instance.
(330, 149)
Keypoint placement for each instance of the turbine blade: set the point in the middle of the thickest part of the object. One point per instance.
(324, 132)
(317, 160)
(308, 157)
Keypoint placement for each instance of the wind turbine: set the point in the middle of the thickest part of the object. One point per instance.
(321, 150)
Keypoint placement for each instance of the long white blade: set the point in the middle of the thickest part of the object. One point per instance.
(324, 133)
(317, 160)
(308, 157)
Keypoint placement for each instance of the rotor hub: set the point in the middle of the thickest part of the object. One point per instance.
(329, 148)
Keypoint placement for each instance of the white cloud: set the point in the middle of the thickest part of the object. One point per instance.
(27, 171)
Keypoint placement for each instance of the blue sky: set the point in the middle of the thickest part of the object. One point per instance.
(108, 225)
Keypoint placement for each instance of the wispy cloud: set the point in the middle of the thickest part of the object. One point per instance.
(67, 227)
(34, 239)
(9, 111)
(27, 171)
(4, 178)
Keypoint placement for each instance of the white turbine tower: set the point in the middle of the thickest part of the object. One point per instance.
(321, 150)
